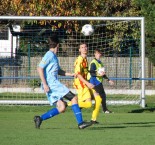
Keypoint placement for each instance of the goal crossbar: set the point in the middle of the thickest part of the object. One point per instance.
(68, 18)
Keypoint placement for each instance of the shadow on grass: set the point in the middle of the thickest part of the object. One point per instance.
(120, 127)
(124, 125)
(143, 110)
(106, 127)
(139, 123)
(110, 126)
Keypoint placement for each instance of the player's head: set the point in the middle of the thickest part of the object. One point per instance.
(83, 48)
(98, 53)
(53, 41)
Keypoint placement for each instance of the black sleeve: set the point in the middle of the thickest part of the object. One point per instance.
(93, 70)
(61, 72)
(105, 77)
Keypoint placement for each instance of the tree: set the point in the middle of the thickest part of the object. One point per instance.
(67, 8)
(147, 9)
(106, 8)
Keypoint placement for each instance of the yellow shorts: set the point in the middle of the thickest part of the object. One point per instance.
(83, 94)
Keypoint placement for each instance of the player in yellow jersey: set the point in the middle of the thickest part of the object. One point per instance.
(82, 86)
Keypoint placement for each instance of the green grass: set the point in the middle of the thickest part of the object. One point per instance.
(120, 128)
(128, 125)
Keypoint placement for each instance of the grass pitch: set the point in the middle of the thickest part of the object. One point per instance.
(124, 127)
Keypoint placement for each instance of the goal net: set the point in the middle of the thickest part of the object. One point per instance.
(23, 42)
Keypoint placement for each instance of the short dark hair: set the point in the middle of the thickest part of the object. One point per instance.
(98, 50)
(53, 41)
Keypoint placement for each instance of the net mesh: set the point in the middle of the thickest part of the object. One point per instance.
(23, 46)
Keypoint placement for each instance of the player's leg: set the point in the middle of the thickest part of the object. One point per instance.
(60, 105)
(82, 104)
(85, 104)
(76, 110)
(60, 108)
(55, 94)
(104, 106)
(99, 88)
(97, 105)
(84, 98)
(51, 113)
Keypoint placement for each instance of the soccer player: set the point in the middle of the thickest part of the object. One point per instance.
(49, 70)
(82, 86)
(97, 79)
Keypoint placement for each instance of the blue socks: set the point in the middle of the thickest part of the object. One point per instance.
(77, 113)
(51, 113)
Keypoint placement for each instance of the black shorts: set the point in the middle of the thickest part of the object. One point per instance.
(69, 96)
(99, 89)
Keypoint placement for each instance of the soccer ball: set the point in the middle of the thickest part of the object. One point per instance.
(87, 30)
(101, 70)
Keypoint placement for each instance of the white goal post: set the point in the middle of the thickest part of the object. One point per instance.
(113, 19)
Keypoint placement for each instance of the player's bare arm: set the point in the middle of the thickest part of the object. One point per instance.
(89, 85)
(42, 77)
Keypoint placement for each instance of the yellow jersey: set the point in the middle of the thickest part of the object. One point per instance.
(80, 67)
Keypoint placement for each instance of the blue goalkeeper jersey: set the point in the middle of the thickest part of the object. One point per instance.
(50, 65)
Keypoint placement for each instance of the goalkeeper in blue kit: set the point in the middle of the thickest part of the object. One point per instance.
(56, 92)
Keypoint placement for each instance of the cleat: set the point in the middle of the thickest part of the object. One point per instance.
(107, 111)
(94, 122)
(84, 125)
(38, 121)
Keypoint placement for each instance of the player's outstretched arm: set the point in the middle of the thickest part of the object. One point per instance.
(64, 73)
